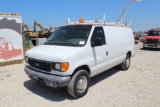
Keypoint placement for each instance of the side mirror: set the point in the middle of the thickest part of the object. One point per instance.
(97, 42)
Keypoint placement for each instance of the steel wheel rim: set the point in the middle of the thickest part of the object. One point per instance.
(127, 62)
(81, 84)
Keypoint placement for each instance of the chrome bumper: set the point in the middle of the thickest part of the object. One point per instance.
(151, 45)
(47, 79)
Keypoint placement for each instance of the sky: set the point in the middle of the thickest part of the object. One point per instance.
(144, 15)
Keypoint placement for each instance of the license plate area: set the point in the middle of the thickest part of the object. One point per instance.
(47, 82)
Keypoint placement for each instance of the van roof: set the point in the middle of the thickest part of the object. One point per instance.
(97, 23)
(92, 24)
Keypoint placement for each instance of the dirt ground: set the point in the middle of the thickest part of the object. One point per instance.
(137, 87)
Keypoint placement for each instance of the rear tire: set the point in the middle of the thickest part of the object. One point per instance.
(126, 63)
(79, 84)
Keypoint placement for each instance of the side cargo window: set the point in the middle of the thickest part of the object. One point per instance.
(98, 33)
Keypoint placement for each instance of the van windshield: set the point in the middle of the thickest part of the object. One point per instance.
(73, 35)
(154, 33)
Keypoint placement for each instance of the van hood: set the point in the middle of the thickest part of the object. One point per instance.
(51, 52)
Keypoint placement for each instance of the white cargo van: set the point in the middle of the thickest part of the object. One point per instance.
(78, 51)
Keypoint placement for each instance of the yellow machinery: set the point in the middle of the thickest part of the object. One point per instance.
(43, 32)
(25, 26)
(28, 33)
(48, 30)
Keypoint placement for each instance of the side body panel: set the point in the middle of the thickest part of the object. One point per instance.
(119, 41)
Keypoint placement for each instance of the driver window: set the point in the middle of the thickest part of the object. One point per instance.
(98, 33)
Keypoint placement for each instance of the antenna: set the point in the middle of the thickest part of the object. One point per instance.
(69, 20)
(130, 23)
(104, 18)
(121, 20)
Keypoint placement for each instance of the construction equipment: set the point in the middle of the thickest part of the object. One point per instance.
(43, 32)
(36, 37)
(7, 50)
(25, 26)
(48, 30)
(28, 33)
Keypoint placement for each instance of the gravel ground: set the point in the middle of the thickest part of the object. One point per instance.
(137, 87)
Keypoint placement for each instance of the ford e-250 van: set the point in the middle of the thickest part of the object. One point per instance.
(78, 51)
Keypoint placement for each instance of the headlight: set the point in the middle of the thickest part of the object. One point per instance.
(58, 66)
(62, 66)
(27, 59)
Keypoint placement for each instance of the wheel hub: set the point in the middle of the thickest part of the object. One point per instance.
(82, 84)
(127, 62)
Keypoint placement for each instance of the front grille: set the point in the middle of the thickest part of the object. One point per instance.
(152, 41)
(40, 65)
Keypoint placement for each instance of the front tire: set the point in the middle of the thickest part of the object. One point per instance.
(126, 63)
(79, 84)
(144, 48)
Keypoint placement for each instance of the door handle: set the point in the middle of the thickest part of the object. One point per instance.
(107, 53)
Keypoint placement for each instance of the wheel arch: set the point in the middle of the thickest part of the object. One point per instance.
(129, 53)
(84, 67)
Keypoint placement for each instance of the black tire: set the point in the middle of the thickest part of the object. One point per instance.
(81, 76)
(126, 63)
(144, 48)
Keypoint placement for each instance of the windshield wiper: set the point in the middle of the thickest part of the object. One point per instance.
(48, 43)
(51, 43)
(70, 44)
(62, 44)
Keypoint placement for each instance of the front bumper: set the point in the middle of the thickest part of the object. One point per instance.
(151, 45)
(47, 79)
